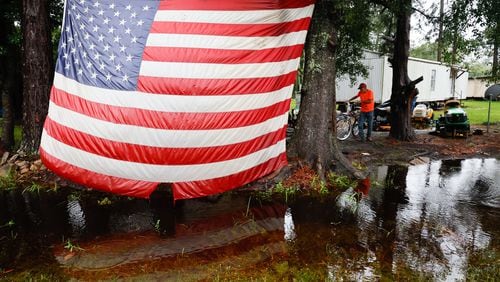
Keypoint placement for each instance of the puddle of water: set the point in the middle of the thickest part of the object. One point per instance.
(421, 222)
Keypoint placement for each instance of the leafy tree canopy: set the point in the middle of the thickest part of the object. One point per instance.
(426, 51)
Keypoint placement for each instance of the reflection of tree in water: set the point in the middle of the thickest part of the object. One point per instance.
(450, 166)
(162, 205)
(32, 214)
(385, 218)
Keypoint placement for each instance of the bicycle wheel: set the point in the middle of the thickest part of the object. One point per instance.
(343, 128)
(355, 129)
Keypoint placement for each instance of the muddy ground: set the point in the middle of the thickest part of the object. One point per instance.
(385, 150)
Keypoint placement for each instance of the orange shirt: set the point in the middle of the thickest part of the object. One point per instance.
(367, 95)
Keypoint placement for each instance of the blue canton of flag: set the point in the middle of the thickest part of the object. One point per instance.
(102, 41)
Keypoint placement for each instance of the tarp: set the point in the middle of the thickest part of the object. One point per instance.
(190, 92)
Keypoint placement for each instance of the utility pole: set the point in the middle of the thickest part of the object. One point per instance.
(440, 34)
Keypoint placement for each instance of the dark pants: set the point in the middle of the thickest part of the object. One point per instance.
(368, 117)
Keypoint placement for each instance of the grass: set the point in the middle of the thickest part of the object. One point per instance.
(477, 111)
(18, 133)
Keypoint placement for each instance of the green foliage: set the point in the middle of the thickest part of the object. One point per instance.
(104, 202)
(455, 43)
(8, 181)
(340, 181)
(478, 69)
(359, 165)
(285, 191)
(426, 51)
(485, 268)
(317, 184)
(34, 187)
(488, 17)
(353, 29)
(17, 133)
(70, 246)
(74, 196)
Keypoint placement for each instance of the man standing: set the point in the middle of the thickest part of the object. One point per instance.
(367, 106)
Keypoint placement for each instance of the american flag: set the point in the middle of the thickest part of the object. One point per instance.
(190, 92)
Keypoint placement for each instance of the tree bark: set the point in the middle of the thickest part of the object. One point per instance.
(315, 141)
(8, 104)
(37, 71)
(9, 74)
(403, 90)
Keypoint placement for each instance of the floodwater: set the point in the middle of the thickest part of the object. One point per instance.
(438, 221)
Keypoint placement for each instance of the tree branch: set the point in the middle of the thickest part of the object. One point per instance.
(424, 14)
(390, 39)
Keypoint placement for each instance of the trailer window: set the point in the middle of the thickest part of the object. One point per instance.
(433, 80)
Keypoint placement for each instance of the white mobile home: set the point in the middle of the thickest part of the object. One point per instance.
(477, 86)
(436, 86)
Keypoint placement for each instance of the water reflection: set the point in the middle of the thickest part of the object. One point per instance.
(444, 213)
(425, 222)
(402, 223)
(289, 227)
(192, 233)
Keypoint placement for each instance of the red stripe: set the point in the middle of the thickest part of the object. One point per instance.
(106, 183)
(233, 5)
(193, 189)
(193, 86)
(143, 189)
(258, 30)
(221, 56)
(156, 155)
(167, 120)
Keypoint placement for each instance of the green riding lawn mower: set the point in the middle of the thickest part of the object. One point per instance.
(454, 121)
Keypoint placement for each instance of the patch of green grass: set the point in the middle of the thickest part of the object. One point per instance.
(70, 246)
(340, 181)
(285, 191)
(34, 187)
(8, 181)
(18, 133)
(483, 266)
(477, 111)
(319, 185)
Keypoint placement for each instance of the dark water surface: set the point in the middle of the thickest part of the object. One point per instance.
(438, 221)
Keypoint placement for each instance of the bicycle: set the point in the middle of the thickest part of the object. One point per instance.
(347, 121)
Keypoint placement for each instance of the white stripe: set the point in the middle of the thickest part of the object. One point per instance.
(217, 71)
(225, 42)
(235, 17)
(172, 103)
(156, 173)
(162, 137)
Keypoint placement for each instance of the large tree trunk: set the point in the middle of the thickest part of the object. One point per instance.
(403, 90)
(6, 84)
(315, 141)
(37, 71)
(8, 103)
